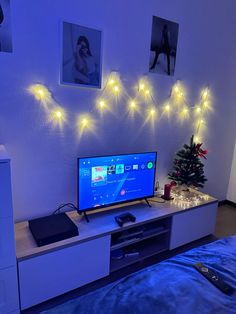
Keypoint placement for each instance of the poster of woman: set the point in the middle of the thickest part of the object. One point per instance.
(163, 48)
(5, 26)
(81, 56)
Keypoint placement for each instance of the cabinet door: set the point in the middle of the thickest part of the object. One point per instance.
(5, 190)
(7, 243)
(192, 225)
(8, 291)
(49, 275)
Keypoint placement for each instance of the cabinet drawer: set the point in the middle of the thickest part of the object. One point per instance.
(7, 243)
(193, 224)
(49, 275)
(8, 291)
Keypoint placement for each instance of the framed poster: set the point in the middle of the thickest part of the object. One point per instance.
(5, 26)
(163, 48)
(81, 56)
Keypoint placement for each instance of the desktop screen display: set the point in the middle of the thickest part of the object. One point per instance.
(104, 181)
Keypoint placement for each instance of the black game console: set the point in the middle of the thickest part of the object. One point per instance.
(52, 228)
(123, 218)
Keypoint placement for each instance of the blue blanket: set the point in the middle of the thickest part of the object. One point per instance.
(170, 287)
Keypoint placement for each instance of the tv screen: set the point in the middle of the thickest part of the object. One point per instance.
(108, 180)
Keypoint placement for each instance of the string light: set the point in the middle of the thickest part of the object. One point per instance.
(111, 82)
(114, 85)
(141, 86)
(206, 105)
(85, 122)
(40, 92)
(198, 110)
(116, 89)
(58, 114)
(152, 112)
(101, 104)
(205, 93)
(196, 139)
(176, 89)
(132, 104)
(184, 113)
(167, 108)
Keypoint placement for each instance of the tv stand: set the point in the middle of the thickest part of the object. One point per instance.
(96, 252)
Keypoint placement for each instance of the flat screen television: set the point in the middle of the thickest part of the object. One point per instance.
(109, 180)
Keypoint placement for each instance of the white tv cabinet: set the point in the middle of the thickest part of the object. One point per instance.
(48, 271)
(9, 302)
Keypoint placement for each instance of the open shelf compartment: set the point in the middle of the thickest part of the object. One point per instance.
(139, 233)
(148, 240)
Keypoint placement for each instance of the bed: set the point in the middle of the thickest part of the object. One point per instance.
(170, 287)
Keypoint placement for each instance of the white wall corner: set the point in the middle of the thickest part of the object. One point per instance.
(4, 156)
(231, 194)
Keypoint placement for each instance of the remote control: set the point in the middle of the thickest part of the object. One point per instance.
(213, 277)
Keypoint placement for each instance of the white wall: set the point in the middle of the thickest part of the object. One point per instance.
(44, 159)
(231, 195)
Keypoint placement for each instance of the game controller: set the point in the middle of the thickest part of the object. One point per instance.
(124, 218)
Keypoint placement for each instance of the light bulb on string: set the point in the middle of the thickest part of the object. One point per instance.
(152, 112)
(102, 104)
(184, 113)
(132, 104)
(85, 123)
(205, 94)
(116, 89)
(57, 116)
(198, 110)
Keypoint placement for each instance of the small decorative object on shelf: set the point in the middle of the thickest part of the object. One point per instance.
(167, 191)
(188, 168)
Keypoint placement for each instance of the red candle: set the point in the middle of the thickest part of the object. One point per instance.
(167, 189)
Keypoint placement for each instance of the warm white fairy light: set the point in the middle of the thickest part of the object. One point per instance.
(111, 82)
(167, 108)
(141, 86)
(102, 104)
(152, 111)
(132, 104)
(196, 139)
(116, 89)
(40, 92)
(58, 114)
(205, 93)
(198, 109)
(176, 89)
(84, 122)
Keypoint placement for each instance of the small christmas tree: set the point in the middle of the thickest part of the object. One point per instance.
(188, 168)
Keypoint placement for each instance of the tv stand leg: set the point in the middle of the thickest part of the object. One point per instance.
(86, 216)
(149, 205)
